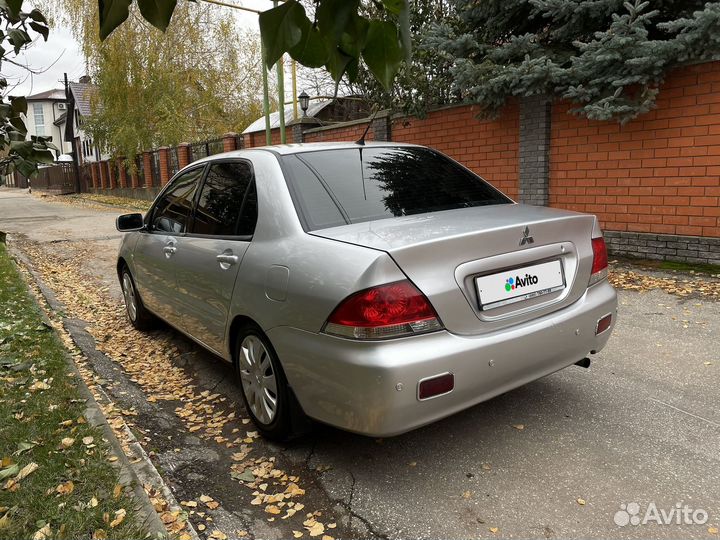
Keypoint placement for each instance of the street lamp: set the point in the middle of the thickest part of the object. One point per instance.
(304, 100)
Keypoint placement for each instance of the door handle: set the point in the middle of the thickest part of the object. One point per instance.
(227, 259)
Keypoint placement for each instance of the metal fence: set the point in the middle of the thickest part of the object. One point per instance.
(206, 148)
(59, 179)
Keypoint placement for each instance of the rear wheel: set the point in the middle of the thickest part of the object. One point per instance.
(138, 315)
(263, 384)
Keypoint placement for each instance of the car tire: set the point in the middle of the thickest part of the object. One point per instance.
(265, 391)
(137, 313)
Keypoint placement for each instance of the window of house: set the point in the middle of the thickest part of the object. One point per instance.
(39, 115)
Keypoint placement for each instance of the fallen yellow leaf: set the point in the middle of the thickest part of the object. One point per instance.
(494, 530)
(119, 517)
(67, 442)
(43, 533)
(297, 534)
(272, 509)
(712, 530)
(66, 488)
(519, 427)
(218, 535)
(26, 471)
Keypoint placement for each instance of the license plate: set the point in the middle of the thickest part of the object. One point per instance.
(519, 284)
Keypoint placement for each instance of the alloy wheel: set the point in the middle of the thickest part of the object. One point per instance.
(130, 298)
(258, 379)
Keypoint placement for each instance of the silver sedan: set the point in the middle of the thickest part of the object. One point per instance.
(376, 288)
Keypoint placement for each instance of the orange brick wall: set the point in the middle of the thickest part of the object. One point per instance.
(258, 138)
(657, 174)
(488, 147)
(344, 133)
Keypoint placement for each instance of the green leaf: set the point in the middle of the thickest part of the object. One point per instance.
(395, 6)
(281, 29)
(24, 446)
(21, 148)
(383, 53)
(35, 15)
(25, 167)
(7, 472)
(43, 156)
(19, 38)
(19, 125)
(18, 104)
(333, 16)
(40, 29)
(157, 12)
(311, 50)
(337, 65)
(14, 6)
(112, 14)
(354, 38)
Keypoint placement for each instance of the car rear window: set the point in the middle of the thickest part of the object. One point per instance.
(337, 187)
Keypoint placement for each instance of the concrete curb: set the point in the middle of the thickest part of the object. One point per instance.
(135, 474)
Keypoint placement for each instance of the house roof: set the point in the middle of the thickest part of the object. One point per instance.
(56, 94)
(82, 93)
(313, 109)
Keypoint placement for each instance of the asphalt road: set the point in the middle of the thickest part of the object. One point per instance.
(642, 425)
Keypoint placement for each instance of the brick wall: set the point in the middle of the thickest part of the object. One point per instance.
(349, 131)
(659, 174)
(488, 147)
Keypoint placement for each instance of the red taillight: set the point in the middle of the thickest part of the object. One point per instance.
(391, 310)
(600, 260)
(436, 386)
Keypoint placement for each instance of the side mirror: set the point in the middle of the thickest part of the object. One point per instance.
(129, 222)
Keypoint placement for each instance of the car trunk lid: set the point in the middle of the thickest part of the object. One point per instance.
(444, 253)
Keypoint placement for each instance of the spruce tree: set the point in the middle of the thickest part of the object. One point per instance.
(607, 57)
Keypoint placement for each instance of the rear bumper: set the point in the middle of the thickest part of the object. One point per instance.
(353, 385)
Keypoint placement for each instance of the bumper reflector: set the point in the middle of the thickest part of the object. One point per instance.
(436, 386)
(603, 324)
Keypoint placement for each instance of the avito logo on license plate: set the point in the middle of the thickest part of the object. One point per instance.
(519, 284)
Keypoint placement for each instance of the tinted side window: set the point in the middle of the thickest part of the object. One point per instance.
(172, 212)
(227, 205)
(313, 199)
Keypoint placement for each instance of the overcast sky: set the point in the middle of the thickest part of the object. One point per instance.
(61, 54)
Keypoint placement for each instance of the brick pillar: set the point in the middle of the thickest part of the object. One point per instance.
(123, 172)
(297, 132)
(229, 142)
(103, 174)
(147, 167)
(94, 174)
(381, 127)
(184, 155)
(134, 180)
(164, 165)
(534, 150)
(112, 173)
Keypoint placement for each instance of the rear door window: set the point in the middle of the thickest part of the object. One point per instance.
(335, 187)
(227, 205)
(172, 211)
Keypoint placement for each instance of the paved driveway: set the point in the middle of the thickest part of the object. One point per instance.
(642, 425)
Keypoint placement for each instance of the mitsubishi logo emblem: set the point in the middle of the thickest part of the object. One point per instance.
(526, 239)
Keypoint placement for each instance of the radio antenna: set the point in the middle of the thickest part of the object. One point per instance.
(361, 140)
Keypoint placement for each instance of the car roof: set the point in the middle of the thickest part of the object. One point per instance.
(287, 149)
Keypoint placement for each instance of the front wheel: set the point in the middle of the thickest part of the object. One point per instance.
(263, 384)
(139, 317)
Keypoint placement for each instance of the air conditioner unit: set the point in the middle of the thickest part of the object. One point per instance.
(62, 106)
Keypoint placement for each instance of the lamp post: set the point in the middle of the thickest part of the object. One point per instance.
(304, 100)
